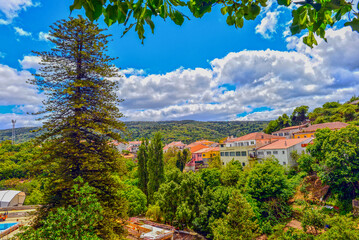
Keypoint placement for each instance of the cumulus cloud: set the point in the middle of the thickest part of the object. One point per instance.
(244, 81)
(268, 24)
(246, 85)
(14, 88)
(30, 62)
(44, 36)
(22, 32)
(11, 8)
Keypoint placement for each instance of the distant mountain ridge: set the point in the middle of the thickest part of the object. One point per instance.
(186, 131)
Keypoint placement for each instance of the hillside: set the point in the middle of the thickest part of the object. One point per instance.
(185, 131)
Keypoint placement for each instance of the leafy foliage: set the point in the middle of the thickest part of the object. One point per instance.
(314, 16)
(239, 223)
(267, 180)
(337, 154)
(312, 219)
(77, 221)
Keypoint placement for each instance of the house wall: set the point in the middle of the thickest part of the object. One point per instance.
(303, 135)
(283, 155)
(229, 153)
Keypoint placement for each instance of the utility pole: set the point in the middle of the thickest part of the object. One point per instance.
(13, 131)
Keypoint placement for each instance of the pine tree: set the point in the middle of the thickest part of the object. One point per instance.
(142, 157)
(155, 166)
(80, 118)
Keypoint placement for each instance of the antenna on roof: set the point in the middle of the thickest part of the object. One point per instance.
(13, 131)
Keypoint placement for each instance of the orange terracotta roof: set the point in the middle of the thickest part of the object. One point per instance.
(208, 149)
(330, 125)
(284, 143)
(255, 136)
(292, 127)
(197, 147)
(135, 142)
(174, 144)
(203, 142)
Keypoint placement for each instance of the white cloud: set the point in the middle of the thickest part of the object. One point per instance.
(245, 81)
(268, 24)
(14, 88)
(240, 84)
(11, 8)
(44, 36)
(30, 62)
(21, 120)
(22, 32)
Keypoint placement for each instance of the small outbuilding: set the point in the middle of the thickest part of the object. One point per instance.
(11, 198)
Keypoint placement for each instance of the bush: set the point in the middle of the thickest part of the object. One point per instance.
(78, 221)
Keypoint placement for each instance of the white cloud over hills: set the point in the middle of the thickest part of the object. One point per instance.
(246, 85)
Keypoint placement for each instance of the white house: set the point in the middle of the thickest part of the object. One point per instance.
(281, 150)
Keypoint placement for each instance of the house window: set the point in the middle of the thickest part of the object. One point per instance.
(222, 154)
(280, 134)
(238, 154)
(305, 136)
(222, 145)
(298, 137)
(232, 154)
(283, 152)
(284, 163)
(252, 142)
(311, 135)
(243, 164)
(226, 154)
(275, 152)
(241, 144)
(244, 153)
(286, 134)
(269, 152)
(260, 153)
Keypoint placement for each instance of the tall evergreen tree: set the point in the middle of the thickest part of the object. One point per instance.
(155, 166)
(182, 159)
(142, 157)
(80, 118)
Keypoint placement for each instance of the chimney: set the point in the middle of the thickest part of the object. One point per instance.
(285, 143)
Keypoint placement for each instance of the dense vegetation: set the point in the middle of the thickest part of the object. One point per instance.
(185, 131)
(223, 201)
(329, 112)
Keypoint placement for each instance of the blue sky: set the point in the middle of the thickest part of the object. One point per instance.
(202, 70)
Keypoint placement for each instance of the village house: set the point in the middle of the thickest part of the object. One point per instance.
(196, 157)
(178, 145)
(288, 132)
(281, 150)
(243, 149)
(134, 146)
(309, 131)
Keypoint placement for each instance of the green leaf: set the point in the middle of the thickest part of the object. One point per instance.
(224, 10)
(284, 2)
(239, 22)
(177, 18)
(76, 5)
(230, 20)
(354, 24)
(111, 15)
